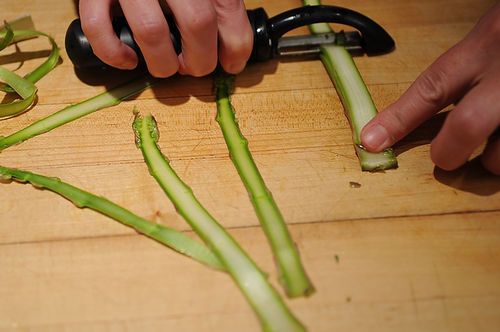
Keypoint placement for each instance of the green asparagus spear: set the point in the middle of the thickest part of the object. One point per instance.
(292, 274)
(73, 112)
(266, 302)
(167, 236)
(356, 98)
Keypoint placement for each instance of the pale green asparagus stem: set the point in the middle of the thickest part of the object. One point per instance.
(73, 112)
(266, 302)
(356, 98)
(292, 274)
(167, 236)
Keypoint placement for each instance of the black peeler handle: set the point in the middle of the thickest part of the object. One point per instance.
(267, 31)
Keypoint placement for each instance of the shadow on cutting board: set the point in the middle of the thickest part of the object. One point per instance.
(471, 177)
(422, 135)
(178, 89)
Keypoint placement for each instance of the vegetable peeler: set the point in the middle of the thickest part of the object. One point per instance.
(269, 41)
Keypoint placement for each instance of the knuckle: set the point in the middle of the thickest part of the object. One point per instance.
(230, 6)
(150, 31)
(467, 125)
(201, 21)
(91, 27)
(492, 27)
(235, 51)
(486, 33)
(107, 51)
(242, 46)
(431, 87)
(235, 54)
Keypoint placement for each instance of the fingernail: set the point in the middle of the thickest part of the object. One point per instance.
(376, 138)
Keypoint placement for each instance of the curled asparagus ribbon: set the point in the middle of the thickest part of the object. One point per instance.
(24, 87)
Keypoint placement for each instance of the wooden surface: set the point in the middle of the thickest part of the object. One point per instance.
(413, 249)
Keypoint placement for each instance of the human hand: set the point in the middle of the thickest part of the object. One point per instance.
(468, 74)
(211, 30)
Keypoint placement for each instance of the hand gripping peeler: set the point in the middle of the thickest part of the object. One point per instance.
(269, 41)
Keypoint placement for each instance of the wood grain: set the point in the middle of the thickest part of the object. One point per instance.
(413, 249)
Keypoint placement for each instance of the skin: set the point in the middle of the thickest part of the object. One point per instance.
(218, 30)
(468, 76)
(211, 31)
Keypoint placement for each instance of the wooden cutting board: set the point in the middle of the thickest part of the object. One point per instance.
(412, 249)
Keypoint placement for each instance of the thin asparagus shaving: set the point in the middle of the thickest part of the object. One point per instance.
(21, 23)
(266, 302)
(83, 199)
(15, 83)
(8, 36)
(76, 111)
(358, 104)
(45, 67)
(24, 88)
(293, 276)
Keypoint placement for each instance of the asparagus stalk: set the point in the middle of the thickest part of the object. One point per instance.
(76, 111)
(165, 235)
(266, 302)
(293, 276)
(355, 97)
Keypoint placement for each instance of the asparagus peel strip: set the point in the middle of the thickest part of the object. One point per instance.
(14, 83)
(293, 276)
(23, 86)
(165, 235)
(21, 23)
(8, 36)
(76, 111)
(266, 302)
(355, 97)
(44, 68)
(22, 29)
